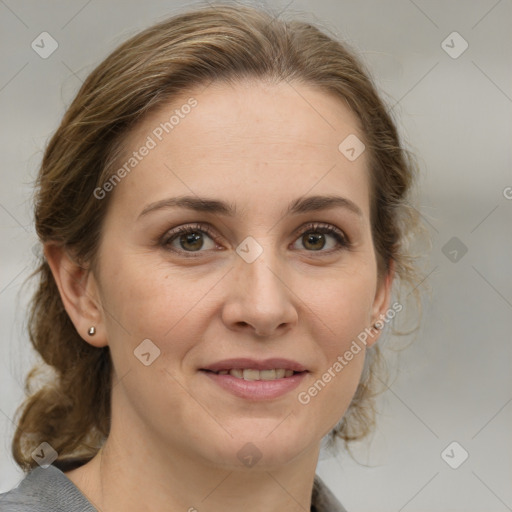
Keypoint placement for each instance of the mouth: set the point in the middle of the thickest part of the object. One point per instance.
(254, 374)
(256, 385)
(256, 380)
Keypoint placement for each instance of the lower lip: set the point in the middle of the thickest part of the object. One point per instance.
(256, 389)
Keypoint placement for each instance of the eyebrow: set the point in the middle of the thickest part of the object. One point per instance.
(206, 205)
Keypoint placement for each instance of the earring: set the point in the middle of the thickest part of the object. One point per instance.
(376, 326)
(92, 331)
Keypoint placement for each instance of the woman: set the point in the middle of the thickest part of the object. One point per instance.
(223, 212)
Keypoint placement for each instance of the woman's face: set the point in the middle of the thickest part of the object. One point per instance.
(246, 282)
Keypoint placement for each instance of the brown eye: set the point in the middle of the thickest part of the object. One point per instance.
(188, 239)
(314, 241)
(320, 237)
(191, 241)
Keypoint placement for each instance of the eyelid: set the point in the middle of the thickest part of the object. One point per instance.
(312, 226)
(194, 226)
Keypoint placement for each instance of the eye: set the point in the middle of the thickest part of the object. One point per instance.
(189, 239)
(192, 238)
(316, 237)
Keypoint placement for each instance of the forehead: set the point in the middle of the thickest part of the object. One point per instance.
(246, 142)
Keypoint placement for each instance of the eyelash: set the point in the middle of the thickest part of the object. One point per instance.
(169, 237)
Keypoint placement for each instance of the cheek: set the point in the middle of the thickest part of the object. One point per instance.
(343, 312)
(137, 292)
(145, 299)
(343, 308)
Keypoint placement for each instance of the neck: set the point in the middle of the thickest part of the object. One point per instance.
(126, 475)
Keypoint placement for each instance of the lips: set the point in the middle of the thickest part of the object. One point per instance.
(255, 390)
(256, 380)
(253, 374)
(256, 365)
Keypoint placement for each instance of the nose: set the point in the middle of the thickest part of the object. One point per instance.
(259, 299)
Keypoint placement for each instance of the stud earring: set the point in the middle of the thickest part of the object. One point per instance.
(91, 331)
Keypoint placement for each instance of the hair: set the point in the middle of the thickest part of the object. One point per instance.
(71, 409)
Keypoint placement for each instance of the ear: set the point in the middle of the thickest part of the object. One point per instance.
(381, 303)
(79, 293)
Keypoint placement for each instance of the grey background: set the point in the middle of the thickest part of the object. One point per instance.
(454, 381)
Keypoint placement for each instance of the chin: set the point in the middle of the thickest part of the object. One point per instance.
(268, 445)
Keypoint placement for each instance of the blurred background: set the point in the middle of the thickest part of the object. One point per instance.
(443, 439)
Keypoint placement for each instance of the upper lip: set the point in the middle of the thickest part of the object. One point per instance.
(256, 364)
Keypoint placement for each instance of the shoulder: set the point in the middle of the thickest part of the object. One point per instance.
(44, 490)
(323, 500)
(48, 489)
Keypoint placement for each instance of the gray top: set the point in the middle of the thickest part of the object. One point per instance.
(50, 490)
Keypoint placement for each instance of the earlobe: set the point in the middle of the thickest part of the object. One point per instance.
(381, 302)
(79, 294)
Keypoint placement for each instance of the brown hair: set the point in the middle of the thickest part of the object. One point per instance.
(71, 410)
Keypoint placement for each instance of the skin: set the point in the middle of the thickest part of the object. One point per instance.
(175, 435)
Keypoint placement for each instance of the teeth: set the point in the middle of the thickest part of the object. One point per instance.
(251, 374)
(267, 374)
